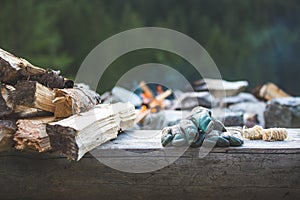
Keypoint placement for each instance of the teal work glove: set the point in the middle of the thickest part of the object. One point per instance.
(225, 139)
(190, 131)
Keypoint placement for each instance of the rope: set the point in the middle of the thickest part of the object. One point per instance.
(271, 134)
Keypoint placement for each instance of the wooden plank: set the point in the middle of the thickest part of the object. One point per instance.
(150, 139)
(218, 175)
(14, 69)
(253, 169)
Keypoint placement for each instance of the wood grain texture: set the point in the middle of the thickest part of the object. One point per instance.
(32, 134)
(34, 95)
(265, 171)
(75, 100)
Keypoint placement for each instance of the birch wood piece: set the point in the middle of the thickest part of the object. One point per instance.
(32, 134)
(80, 133)
(13, 69)
(125, 115)
(74, 100)
(33, 94)
(7, 129)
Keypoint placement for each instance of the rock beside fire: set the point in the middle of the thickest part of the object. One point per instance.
(242, 97)
(190, 100)
(220, 88)
(283, 112)
(229, 117)
(250, 109)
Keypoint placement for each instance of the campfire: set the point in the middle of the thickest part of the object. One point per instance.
(152, 103)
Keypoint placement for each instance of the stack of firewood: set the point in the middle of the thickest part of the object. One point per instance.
(41, 110)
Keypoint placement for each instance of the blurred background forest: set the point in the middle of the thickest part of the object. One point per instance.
(254, 40)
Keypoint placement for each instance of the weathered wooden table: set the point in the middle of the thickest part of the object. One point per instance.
(257, 170)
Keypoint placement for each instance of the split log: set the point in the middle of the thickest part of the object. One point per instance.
(7, 129)
(80, 133)
(269, 91)
(32, 134)
(23, 112)
(13, 112)
(13, 69)
(33, 94)
(74, 100)
(125, 115)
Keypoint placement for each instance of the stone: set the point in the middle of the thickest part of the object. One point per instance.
(220, 88)
(240, 98)
(189, 100)
(229, 117)
(251, 108)
(119, 94)
(283, 112)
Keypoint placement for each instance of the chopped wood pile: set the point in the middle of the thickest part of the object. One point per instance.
(41, 110)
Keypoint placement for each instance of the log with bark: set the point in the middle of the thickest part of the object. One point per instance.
(32, 134)
(268, 92)
(6, 107)
(74, 100)
(80, 133)
(7, 129)
(24, 112)
(13, 69)
(33, 94)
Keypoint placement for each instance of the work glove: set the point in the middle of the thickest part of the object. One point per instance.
(198, 126)
(190, 131)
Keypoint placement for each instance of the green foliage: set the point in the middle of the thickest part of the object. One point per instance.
(257, 40)
(27, 29)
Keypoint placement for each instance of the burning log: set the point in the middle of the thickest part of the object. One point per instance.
(152, 103)
(7, 129)
(32, 134)
(13, 69)
(80, 133)
(155, 103)
(33, 94)
(74, 100)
